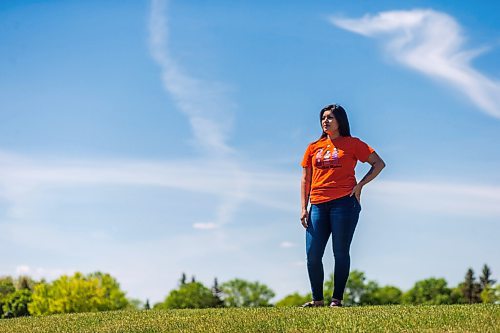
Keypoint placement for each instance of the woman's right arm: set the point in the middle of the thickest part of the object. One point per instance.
(305, 190)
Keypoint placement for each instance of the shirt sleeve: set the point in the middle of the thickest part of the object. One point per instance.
(306, 161)
(362, 150)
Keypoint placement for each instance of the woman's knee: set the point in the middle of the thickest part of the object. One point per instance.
(314, 258)
(341, 253)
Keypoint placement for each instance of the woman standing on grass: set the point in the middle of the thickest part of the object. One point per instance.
(328, 182)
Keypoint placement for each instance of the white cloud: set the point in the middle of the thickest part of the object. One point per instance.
(431, 43)
(204, 103)
(43, 273)
(207, 107)
(24, 180)
(23, 270)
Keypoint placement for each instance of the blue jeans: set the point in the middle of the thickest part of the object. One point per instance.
(338, 217)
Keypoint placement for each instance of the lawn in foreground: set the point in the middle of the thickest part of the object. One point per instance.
(397, 318)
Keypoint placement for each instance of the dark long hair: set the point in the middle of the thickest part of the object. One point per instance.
(341, 118)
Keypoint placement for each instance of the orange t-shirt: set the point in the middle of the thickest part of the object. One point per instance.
(333, 164)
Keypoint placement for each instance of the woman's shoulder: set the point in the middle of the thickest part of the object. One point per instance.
(354, 139)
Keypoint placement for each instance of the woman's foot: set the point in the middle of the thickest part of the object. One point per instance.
(336, 303)
(313, 304)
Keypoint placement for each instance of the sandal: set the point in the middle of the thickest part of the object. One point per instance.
(312, 304)
(335, 303)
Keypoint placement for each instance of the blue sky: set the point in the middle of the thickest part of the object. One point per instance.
(147, 139)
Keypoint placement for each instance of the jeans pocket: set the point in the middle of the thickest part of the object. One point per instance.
(357, 204)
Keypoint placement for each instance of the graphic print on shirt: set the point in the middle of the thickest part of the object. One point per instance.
(329, 159)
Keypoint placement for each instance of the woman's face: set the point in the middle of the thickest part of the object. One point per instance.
(328, 122)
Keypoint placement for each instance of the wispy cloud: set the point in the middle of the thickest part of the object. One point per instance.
(23, 178)
(431, 43)
(208, 109)
(204, 103)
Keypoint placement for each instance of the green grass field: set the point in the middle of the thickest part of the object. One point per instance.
(444, 318)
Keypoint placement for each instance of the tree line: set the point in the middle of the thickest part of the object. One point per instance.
(101, 292)
(431, 291)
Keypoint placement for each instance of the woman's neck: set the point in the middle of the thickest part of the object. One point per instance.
(334, 135)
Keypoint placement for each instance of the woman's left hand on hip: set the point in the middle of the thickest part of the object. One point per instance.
(356, 191)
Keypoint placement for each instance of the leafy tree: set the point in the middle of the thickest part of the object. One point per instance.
(193, 295)
(496, 294)
(294, 299)
(40, 300)
(491, 294)
(6, 288)
(470, 288)
(114, 297)
(429, 291)
(16, 304)
(357, 289)
(134, 304)
(159, 306)
(457, 295)
(381, 295)
(79, 293)
(241, 293)
(67, 295)
(360, 291)
(25, 282)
